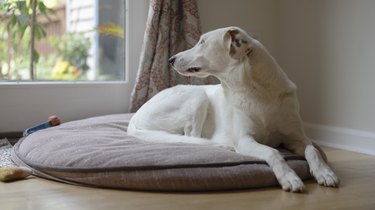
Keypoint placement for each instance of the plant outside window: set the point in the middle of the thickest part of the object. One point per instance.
(73, 40)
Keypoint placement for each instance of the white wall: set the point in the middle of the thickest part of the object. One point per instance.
(255, 16)
(327, 48)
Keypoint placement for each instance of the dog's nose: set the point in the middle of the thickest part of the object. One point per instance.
(172, 60)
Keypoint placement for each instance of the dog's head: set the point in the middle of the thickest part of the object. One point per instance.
(215, 52)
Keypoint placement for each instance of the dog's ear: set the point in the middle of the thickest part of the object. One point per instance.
(238, 43)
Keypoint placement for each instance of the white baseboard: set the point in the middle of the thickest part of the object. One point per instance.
(342, 138)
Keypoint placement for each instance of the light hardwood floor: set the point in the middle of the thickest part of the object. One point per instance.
(357, 191)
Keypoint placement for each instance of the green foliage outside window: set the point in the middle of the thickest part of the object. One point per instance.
(68, 60)
(16, 21)
(71, 53)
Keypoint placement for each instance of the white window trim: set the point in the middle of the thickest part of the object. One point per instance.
(24, 104)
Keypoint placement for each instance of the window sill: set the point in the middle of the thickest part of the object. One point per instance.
(59, 83)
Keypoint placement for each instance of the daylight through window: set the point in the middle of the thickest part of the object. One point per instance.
(73, 40)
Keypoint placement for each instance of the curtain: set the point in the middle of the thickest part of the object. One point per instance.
(172, 26)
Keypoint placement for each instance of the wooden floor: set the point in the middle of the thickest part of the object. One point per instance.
(357, 191)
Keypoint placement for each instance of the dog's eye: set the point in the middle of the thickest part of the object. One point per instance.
(202, 41)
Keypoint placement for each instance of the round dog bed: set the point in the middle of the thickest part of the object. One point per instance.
(97, 152)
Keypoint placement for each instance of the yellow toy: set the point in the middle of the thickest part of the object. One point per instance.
(12, 173)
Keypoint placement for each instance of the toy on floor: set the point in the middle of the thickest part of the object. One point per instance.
(52, 121)
(13, 173)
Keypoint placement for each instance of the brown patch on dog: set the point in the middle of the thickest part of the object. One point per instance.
(284, 95)
(237, 42)
(234, 32)
(232, 50)
(248, 51)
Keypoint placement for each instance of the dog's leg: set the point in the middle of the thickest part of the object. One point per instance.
(318, 166)
(156, 136)
(287, 178)
(194, 126)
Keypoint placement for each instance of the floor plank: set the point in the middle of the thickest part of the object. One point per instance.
(357, 190)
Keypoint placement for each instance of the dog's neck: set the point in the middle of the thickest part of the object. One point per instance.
(256, 75)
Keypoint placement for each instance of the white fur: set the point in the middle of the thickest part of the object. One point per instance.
(252, 111)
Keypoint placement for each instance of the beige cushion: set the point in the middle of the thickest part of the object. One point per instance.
(98, 152)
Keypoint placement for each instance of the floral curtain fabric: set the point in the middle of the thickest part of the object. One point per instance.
(172, 26)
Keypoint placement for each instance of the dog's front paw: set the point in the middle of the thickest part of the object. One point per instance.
(326, 177)
(291, 182)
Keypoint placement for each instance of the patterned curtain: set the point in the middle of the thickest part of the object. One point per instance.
(172, 26)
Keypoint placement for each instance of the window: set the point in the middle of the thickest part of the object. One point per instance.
(26, 103)
(73, 40)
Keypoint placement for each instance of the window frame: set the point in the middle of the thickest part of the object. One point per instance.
(25, 103)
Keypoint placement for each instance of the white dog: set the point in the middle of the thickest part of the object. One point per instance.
(252, 111)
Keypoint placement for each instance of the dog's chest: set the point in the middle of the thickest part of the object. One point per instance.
(258, 118)
(235, 115)
(262, 108)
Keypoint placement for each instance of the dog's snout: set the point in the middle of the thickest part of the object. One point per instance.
(172, 60)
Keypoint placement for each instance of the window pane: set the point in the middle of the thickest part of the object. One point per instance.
(74, 40)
